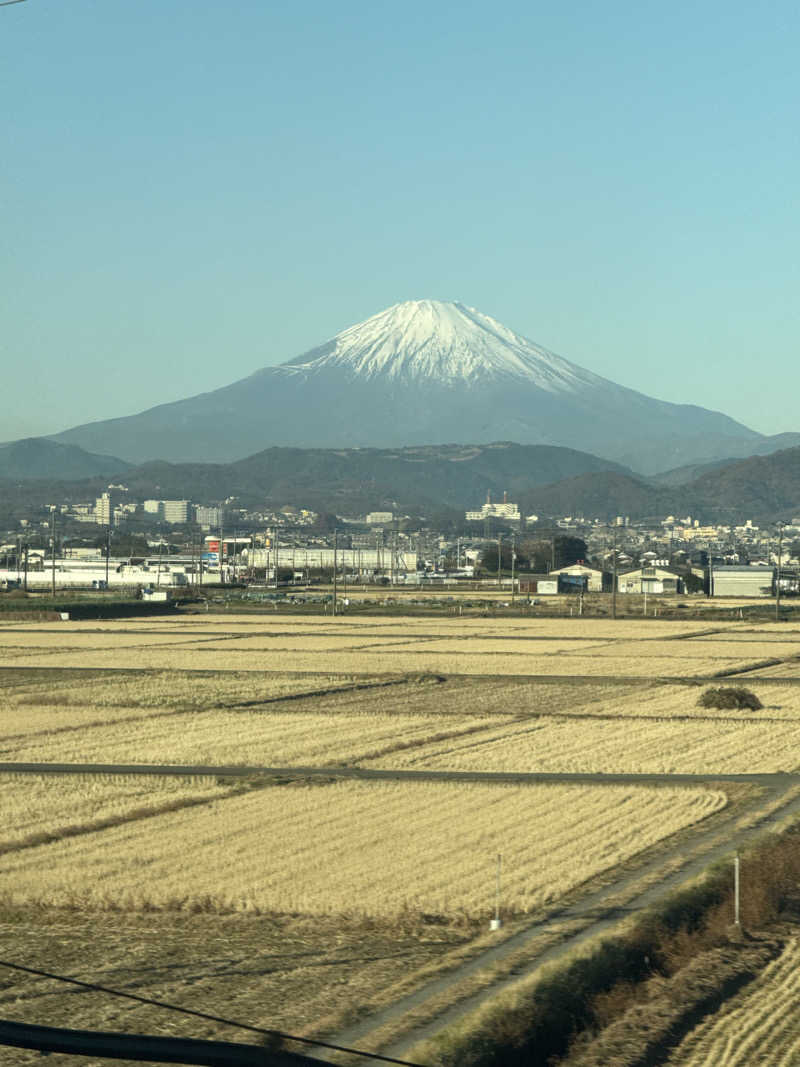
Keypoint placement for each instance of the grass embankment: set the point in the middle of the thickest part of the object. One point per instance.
(35, 608)
(570, 1004)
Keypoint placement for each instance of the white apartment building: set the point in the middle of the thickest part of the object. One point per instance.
(506, 511)
(172, 511)
(104, 510)
(207, 518)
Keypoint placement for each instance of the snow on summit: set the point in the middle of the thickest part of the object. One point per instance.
(441, 341)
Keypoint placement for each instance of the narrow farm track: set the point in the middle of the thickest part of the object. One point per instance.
(9, 675)
(777, 783)
(599, 908)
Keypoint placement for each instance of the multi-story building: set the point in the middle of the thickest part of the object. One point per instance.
(172, 511)
(175, 511)
(506, 511)
(104, 509)
(206, 518)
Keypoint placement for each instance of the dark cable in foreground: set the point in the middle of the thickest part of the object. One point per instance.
(204, 1015)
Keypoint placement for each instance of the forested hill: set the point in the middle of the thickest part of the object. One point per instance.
(431, 480)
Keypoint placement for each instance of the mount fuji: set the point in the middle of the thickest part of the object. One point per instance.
(425, 372)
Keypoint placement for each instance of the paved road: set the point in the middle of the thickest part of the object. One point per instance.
(747, 671)
(781, 781)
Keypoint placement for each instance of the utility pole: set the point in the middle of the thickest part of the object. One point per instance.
(277, 551)
(335, 553)
(513, 561)
(108, 551)
(221, 554)
(736, 887)
(496, 922)
(499, 557)
(614, 578)
(53, 537)
(25, 572)
(778, 580)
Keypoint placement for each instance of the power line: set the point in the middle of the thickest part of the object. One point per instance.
(6, 3)
(204, 1015)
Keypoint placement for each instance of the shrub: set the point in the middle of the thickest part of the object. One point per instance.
(729, 697)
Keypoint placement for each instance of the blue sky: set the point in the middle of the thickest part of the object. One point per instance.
(192, 190)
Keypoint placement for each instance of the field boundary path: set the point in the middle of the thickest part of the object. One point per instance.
(780, 781)
(598, 907)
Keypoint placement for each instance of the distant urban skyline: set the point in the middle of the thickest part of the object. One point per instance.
(193, 192)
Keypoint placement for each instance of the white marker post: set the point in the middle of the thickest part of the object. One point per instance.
(497, 922)
(736, 890)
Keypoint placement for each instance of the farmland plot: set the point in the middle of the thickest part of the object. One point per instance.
(385, 660)
(580, 744)
(761, 1025)
(39, 807)
(273, 739)
(376, 849)
(166, 690)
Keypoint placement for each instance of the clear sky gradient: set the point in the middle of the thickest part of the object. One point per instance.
(192, 190)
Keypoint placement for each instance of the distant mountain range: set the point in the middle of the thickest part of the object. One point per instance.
(765, 488)
(35, 458)
(426, 372)
(426, 479)
(433, 480)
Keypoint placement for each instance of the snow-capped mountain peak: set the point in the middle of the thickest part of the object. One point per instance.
(440, 341)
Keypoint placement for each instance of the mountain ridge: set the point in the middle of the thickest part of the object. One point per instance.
(41, 458)
(429, 480)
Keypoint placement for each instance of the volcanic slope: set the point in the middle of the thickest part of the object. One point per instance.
(424, 372)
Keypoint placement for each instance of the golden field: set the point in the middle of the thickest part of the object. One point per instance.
(455, 694)
(274, 739)
(270, 882)
(38, 806)
(760, 1026)
(581, 744)
(379, 849)
(385, 660)
(358, 645)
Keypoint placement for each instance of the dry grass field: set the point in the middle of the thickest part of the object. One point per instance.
(375, 849)
(261, 739)
(760, 1026)
(524, 646)
(578, 744)
(39, 809)
(387, 659)
(387, 864)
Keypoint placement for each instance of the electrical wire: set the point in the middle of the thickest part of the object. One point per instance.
(204, 1015)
